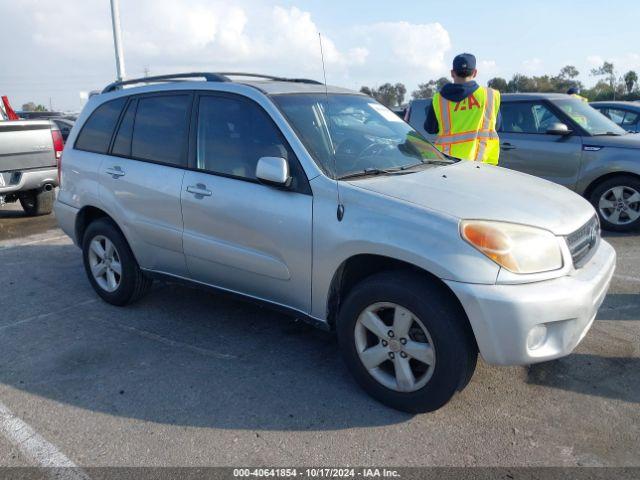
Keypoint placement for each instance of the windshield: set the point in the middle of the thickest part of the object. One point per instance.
(594, 122)
(351, 134)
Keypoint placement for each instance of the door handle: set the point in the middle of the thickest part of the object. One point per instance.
(115, 172)
(199, 190)
(507, 146)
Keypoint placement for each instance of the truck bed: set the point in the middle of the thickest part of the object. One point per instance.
(26, 145)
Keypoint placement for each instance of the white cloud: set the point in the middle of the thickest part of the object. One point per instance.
(72, 42)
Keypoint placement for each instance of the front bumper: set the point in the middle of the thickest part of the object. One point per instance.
(510, 321)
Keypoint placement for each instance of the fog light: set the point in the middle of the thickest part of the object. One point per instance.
(537, 336)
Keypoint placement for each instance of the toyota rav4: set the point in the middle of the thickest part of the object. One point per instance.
(323, 203)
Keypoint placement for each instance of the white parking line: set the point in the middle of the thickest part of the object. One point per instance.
(36, 448)
(46, 315)
(48, 236)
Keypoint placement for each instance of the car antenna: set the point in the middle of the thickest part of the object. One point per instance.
(340, 211)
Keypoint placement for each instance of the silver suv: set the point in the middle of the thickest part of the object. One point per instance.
(321, 202)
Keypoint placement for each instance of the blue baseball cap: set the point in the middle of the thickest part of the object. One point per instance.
(465, 62)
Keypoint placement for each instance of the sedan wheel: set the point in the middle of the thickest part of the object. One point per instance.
(620, 205)
(395, 347)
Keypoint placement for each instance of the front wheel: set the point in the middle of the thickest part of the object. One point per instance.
(617, 201)
(406, 341)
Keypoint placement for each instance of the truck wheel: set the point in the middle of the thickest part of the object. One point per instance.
(617, 201)
(110, 265)
(406, 341)
(37, 202)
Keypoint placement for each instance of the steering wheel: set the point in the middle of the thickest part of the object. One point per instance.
(371, 150)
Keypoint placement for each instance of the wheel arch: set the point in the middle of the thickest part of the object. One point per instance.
(603, 178)
(358, 267)
(89, 214)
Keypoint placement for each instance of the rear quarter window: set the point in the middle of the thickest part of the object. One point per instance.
(96, 133)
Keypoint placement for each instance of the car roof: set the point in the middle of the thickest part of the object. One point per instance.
(267, 84)
(617, 103)
(271, 87)
(510, 97)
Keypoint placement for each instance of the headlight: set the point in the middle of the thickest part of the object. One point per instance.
(518, 248)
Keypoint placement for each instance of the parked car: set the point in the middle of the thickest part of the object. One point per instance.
(562, 139)
(29, 155)
(33, 115)
(323, 203)
(65, 125)
(625, 114)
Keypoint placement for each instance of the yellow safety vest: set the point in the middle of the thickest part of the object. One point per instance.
(468, 127)
(580, 97)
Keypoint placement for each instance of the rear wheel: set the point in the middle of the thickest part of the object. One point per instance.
(37, 202)
(110, 265)
(406, 341)
(617, 201)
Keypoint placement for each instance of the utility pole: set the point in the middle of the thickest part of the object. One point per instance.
(117, 39)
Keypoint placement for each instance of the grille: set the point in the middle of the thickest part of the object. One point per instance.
(582, 241)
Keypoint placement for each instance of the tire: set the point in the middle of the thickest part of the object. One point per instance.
(447, 332)
(611, 198)
(37, 202)
(128, 286)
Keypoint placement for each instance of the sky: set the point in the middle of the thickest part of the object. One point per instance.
(51, 51)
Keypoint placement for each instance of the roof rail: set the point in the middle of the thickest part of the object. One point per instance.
(209, 77)
(270, 77)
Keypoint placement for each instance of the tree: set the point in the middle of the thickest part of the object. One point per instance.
(568, 72)
(401, 92)
(387, 94)
(498, 83)
(367, 91)
(32, 107)
(607, 70)
(428, 90)
(630, 80)
(521, 83)
(566, 79)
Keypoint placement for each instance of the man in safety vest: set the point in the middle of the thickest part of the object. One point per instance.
(465, 115)
(575, 93)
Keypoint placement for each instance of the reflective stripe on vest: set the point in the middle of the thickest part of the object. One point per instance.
(474, 117)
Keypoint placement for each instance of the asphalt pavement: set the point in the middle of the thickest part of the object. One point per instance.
(189, 378)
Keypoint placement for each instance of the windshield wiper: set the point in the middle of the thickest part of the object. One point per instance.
(375, 171)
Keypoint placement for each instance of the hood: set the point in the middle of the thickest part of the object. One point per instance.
(630, 140)
(468, 190)
(456, 92)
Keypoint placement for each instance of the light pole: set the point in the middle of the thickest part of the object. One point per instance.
(117, 39)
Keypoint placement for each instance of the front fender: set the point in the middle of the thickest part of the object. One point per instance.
(375, 224)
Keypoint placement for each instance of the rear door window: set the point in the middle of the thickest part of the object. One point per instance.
(96, 133)
(161, 128)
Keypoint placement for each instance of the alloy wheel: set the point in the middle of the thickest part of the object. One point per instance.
(395, 347)
(105, 264)
(620, 205)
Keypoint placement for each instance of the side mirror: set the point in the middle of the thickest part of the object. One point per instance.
(558, 129)
(273, 171)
